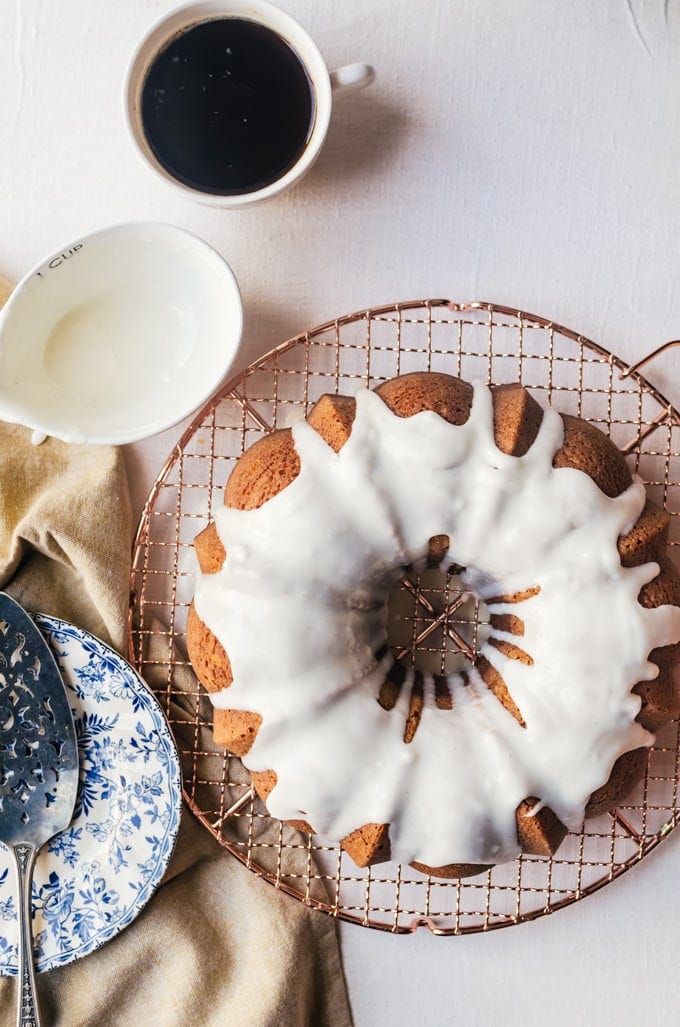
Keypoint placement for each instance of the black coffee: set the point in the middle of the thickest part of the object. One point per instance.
(227, 106)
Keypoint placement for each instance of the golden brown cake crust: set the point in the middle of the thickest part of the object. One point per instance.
(410, 394)
(452, 870)
(539, 831)
(368, 844)
(626, 773)
(263, 471)
(207, 655)
(516, 419)
(587, 449)
(272, 463)
(332, 417)
(210, 552)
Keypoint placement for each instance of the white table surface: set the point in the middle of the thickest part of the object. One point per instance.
(524, 152)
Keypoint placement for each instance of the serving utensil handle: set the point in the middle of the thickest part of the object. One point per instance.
(28, 1013)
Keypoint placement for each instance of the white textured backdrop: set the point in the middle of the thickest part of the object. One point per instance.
(525, 152)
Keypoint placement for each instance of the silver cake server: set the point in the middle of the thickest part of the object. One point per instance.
(38, 768)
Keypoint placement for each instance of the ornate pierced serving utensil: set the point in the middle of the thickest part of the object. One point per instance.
(38, 768)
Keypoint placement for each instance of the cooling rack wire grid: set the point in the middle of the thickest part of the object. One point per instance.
(430, 616)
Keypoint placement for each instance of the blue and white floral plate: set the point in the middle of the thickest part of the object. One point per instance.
(94, 878)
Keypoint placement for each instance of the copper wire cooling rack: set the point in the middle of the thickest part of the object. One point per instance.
(432, 620)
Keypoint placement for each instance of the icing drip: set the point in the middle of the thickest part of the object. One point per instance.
(300, 607)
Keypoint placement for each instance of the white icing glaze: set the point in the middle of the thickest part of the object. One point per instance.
(300, 607)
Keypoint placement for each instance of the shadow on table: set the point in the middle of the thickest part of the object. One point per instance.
(365, 132)
(266, 325)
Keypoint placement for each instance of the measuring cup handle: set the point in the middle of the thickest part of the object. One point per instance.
(352, 76)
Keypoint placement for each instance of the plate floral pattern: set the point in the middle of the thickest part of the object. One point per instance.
(94, 878)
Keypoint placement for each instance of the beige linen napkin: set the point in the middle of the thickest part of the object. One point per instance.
(216, 945)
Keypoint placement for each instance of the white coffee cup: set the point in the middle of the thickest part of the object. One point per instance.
(323, 82)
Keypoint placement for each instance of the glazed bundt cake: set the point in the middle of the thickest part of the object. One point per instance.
(540, 516)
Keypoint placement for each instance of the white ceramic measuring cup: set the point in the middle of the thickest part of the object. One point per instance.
(324, 84)
(118, 335)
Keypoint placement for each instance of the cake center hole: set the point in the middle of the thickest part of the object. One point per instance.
(435, 623)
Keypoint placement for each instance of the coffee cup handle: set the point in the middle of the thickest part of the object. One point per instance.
(352, 76)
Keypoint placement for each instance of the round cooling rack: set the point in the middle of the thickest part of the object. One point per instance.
(431, 619)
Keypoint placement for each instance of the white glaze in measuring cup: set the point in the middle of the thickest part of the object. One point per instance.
(118, 335)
